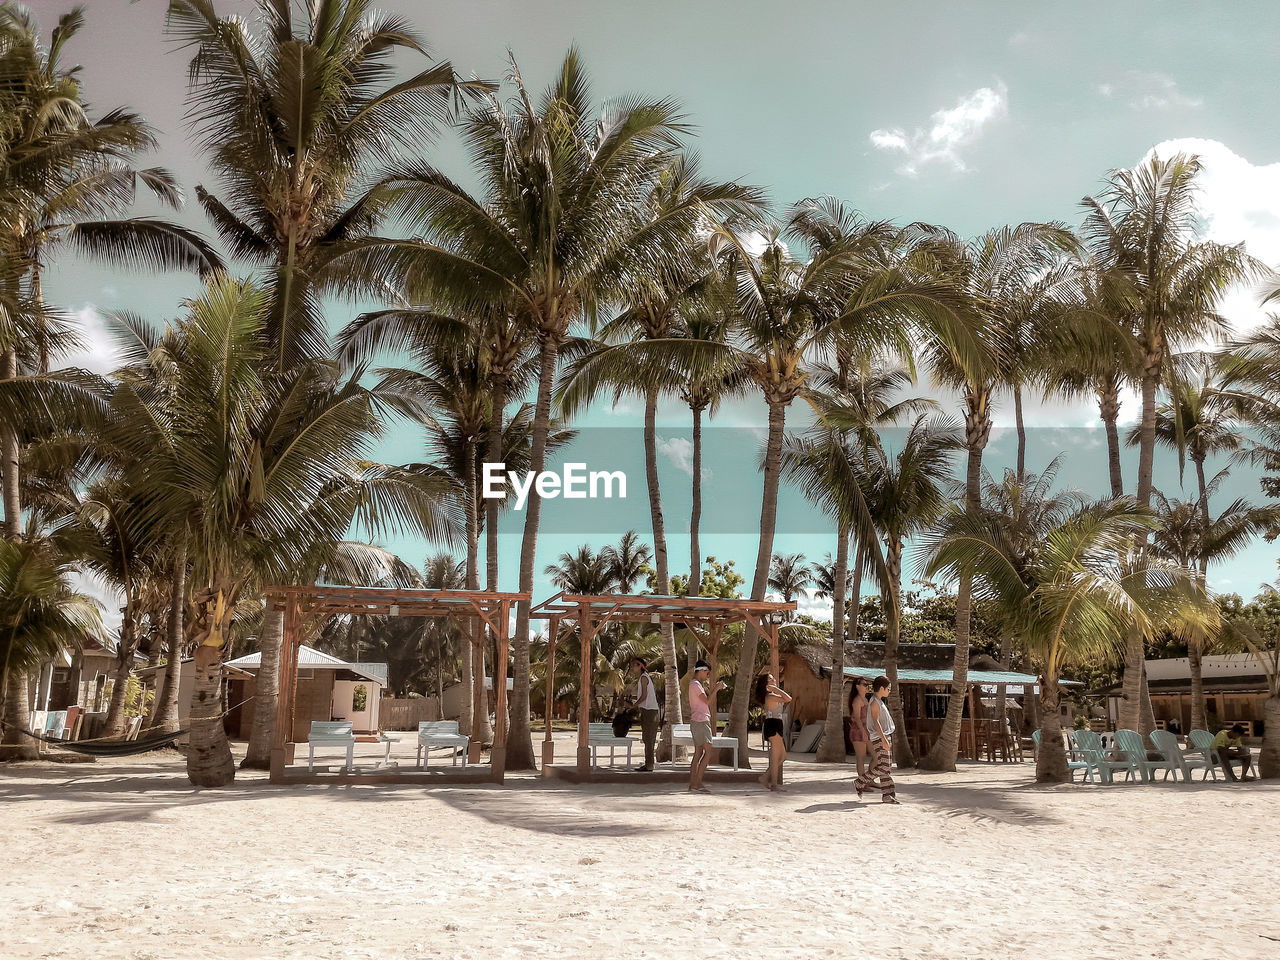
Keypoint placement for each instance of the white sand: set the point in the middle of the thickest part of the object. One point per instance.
(123, 859)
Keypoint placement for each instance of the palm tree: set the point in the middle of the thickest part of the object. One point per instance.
(1193, 539)
(628, 561)
(1071, 599)
(906, 492)
(305, 131)
(995, 271)
(562, 229)
(789, 575)
(255, 512)
(1266, 650)
(40, 615)
(1143, 224)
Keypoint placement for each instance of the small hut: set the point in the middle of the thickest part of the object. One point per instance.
(328, 689)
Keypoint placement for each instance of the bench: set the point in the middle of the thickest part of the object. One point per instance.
(600, 735)
(331, 733)
(681, 735)
(441, 733)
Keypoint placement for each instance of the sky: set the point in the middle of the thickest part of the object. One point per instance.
(968, 115)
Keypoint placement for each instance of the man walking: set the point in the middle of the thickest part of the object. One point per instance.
(646, 701)
(880, 729)
(700, 725)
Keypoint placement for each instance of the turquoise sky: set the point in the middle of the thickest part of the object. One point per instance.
(970, 115)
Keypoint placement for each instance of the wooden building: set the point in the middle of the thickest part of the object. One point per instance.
(1235, 690)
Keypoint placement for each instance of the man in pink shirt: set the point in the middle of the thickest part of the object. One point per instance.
(700, 725)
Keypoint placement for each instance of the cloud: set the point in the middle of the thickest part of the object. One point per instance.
(680, 452)
(1148, 90)
(1237, 201)
(97, 351)
(950, 131)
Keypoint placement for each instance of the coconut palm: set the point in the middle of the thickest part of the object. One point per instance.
(1071, 599)
(628, 561)
(1143, 224)
(304, 129)
(995, 271)
(906, 492)
(1266, 650)
(255, 511)
(561, 230)
(789, 575)
(40, 615)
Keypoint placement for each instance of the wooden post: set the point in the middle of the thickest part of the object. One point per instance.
(973, 730)
(586, 630)
(286, 688)
(498, 755)
(713, 645)
(548, 745)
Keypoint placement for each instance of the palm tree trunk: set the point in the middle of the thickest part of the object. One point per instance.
(209, 762)
(493, 454)
(695, 513)
(17, 714)
(166, 720)
(1269, 758)
(831, 749)
(9, 459)
(520, 739)
(472, 631)
(128, 643)
(1134, 703)
(266, 693)
(1195, 648)
(947, 748)
(903, 754)
(1051, 760)
(1022, 431)
(671, 664)
(1109, 409)
(760, 581)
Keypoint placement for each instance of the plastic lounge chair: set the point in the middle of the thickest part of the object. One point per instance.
(1168, 744)
(1072, 765)
(682, 735)
(1202, 743)
(1133, 746)
(1095, 756)
(331, 733)
(600, 735)
(441, 733)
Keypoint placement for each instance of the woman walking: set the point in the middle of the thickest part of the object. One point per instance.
(774, 699)
(880, 730)
(857, 721)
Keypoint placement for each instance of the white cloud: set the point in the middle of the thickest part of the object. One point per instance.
(1237, 201)
(680, 452)
(1149, 90)
(950, 131)
(97, 351)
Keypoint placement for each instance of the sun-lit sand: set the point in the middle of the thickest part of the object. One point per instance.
(124, 859)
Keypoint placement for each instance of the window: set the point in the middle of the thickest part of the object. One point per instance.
(359, 698)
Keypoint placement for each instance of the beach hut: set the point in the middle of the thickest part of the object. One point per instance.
(328, 689)
(1235, 691)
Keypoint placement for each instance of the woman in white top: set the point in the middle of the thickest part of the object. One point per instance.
(880, 729)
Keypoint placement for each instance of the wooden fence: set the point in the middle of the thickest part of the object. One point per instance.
(396, 714)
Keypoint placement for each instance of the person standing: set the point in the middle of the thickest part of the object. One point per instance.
(774, 699)
(700, 724)
(646, 701)
(858, 722)
(880, 729)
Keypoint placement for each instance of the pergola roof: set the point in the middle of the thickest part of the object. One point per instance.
(645, 606)
(378, 601)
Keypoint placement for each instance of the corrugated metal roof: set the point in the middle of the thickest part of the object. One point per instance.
(984, 677)
(311, 658)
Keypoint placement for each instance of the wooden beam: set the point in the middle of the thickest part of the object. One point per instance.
(548, 744)
(586, 629)
(498, 755)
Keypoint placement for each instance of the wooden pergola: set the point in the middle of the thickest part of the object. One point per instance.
(592, 611)
(490, 608)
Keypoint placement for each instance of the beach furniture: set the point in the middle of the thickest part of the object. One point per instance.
(600, 735)
(440, 733)
(1133, 746)
(1186, 762)
(682, 736)
(1202, 743)
(1095, 756)
(1072, 765)
(331, 733)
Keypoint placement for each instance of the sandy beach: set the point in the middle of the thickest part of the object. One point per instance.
(124, 859)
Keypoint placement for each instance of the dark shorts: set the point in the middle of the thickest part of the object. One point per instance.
(772, 728)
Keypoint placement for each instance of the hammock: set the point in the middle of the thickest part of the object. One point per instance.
(105, 748)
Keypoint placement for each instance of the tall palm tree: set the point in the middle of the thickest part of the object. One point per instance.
(561, 230)
(1071, 599)
(255, 511)
(1143, 224)
(789, 575)
(906, 492)
(994, 271)
(627, 562)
